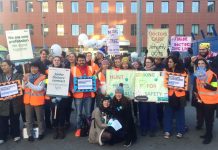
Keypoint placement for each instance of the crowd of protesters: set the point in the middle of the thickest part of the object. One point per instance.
(97, 108)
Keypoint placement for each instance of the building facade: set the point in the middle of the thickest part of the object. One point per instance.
(61, 21)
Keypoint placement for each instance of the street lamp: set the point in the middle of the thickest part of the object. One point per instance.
(43, 23)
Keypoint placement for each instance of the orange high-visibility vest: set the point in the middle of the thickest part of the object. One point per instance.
(77, 73)
(102, 78)
(94, 66)
(207, 96)
(178, 93)
(35, 98)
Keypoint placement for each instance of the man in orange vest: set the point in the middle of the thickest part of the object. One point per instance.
(34, 99)
(81, 99)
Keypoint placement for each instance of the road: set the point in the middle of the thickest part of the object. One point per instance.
(190, 141)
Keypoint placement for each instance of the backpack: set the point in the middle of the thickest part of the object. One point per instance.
(85, 126)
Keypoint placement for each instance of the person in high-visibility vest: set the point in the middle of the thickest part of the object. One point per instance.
(81, 99)
(206, 92)
(177, 101)
(34, 100)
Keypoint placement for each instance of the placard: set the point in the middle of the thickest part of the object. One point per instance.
(177, 81)
(19, 44)
(113, 47)
(181, 43)
(126, 77)
(58, 81)
(157, 42)
(85, 84)
(149, 87)
(10, 89)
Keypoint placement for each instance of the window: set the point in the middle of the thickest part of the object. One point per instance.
(29, 6)
(1, 29)
(180, 7)
(133, 7)
(14, 26)
(211, 6)
(104, 29)
(60, 7)
(179, 29)
(45, 29)
(133, 29)
(104, 7)
(149, 7)
(14, 6)
(44, 6)
(1, 6)
(209, 29)
(120, 29)
(164, 26)
(89, 7)
(164, 7)
(30, 27)
(75, 30)
(60, 30)
(75, 7)
(195, 6)
(119, 7)
(149, 26)
(89, 29)
(195, 29)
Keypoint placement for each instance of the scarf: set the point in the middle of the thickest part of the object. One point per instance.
(33, 77)
(150, 68)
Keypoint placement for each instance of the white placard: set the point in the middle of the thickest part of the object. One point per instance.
(35, 133)
(113, 47)
(8, 90)
(176, 81)
(19, 44)
(114, 123)
(84, 84)
(181, 43)
(58, 81)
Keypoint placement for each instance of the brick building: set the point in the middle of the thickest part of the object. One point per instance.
(63, 20)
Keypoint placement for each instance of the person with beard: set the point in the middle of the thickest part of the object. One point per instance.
(100, 117)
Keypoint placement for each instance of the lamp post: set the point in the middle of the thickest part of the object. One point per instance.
(43, 23)
(138, 27)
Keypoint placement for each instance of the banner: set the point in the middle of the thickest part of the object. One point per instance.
(19, 44)
(149, 86)
(113, 47)
(126, 77)
(10, 89)
(58, 81)
(157, 42)
(181, 43)
(85, 84)
(177, 81)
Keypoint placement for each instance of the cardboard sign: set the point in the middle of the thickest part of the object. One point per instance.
(10, 89)
(113, 47)
(181, 43)
(19, 44)
(157, 42)
(58, 81)
(84, 84)
(149, 87)
(177, 81)
(126, 77)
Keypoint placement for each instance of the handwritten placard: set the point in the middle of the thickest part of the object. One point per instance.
(180, 43)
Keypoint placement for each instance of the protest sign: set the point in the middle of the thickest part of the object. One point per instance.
(150, 84)
(157, 42)
(180, 43)
(19, 44)
(113, 47)
(58, 81)
(177, 81)
(126, 77)
(85, 84)
(10, 89)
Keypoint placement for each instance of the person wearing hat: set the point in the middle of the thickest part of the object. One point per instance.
(100, 117)
(101, 53)
(122, 111)
(125, 64)
(34, 100)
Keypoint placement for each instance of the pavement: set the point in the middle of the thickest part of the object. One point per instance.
(190, 141)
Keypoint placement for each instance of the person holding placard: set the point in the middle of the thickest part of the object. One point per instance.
(81, 99)
(176, 106)
(10, 107)
(206, 93)
(34, 100)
